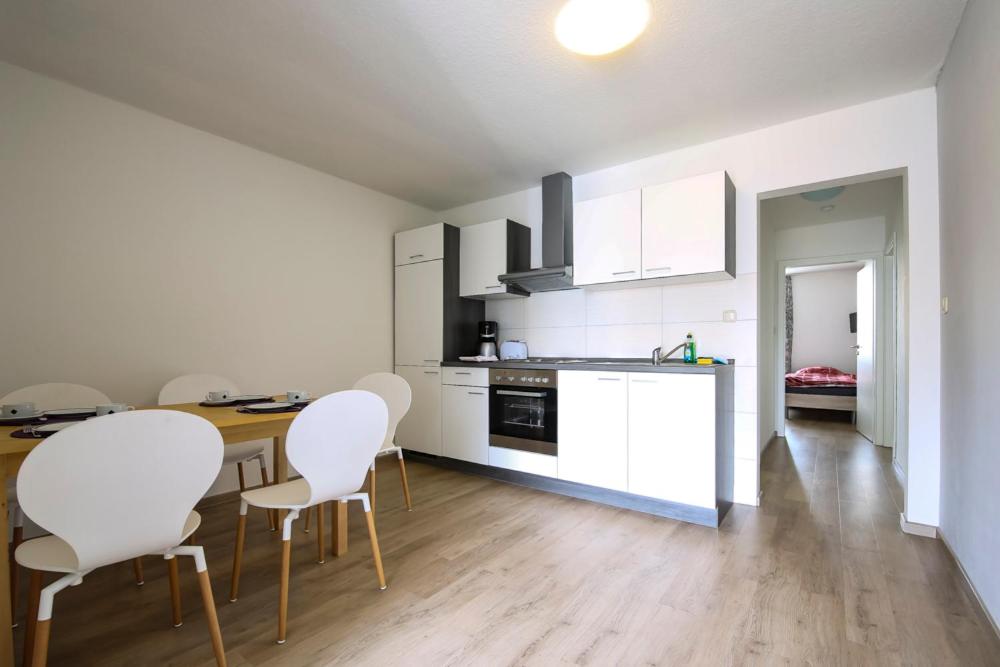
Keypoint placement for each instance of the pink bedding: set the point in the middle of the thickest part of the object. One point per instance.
(820, 376)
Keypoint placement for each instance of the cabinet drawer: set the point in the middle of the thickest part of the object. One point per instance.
(420, 245)
(466, 377)
(530, 462)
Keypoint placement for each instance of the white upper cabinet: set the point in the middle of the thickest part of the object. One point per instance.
(607, 239)
(419, 314)
(593, 428)
(688, 227)
(420, 245)
(488, 250)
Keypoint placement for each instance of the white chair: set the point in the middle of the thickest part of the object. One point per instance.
(110, 490)
(331, 443)
(193, 388)
(48, 396)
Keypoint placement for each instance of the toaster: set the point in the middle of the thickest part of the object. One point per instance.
(513, 349)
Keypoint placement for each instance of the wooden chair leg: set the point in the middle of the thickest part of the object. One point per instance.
(234, 588)
(175, 592)
(41, 653)
(137, 569)
(371, 485)
(320, 545)
(31, 620)
(305, 521)
(243, 479)
(208, 600)
(265, 482)
(376, 554)
(15, 579)
(286, 564)
(406, 485)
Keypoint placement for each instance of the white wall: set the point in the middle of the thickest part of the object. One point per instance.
(135, 249)
(890, 134)
(969, 108)
(822, 302)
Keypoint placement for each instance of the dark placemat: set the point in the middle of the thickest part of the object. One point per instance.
(241, 401)
(83, 414)
(28, 435)
(291, 408)
(24, 421)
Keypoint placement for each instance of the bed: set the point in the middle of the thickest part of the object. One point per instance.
(821, 388)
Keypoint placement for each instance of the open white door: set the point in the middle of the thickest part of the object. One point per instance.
(866, 351)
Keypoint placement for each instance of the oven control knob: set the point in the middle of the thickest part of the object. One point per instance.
(545, 379)
(523, 378)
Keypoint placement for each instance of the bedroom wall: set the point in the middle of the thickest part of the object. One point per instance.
(821, 304)
(969, 106)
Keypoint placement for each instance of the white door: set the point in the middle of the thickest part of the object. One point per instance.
(607, 239)
(466, 423)
(482, 258)
(420, 245)
(671, 437)
(419, 310)
(866, 351)
(684, 226)
(420, 429)
(593, 428)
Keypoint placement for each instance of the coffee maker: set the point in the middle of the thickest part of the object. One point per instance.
(487, 339)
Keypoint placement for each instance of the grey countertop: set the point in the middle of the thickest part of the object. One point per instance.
(596, 364)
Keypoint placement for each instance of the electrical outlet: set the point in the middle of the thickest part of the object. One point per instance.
(944, 305)
(729, 316)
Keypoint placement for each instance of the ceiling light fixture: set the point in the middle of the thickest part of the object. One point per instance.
(598, 27)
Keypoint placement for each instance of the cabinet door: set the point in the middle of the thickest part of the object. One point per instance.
(483, 257)
(593, 428)
(419, 311)
(671, 448)
(607, 239)
(420, 429)
(420, 245)
(466, 423)
(684, 226)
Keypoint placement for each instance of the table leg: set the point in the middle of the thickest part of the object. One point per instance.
(6, 633)
(338, 528)
(280, 472)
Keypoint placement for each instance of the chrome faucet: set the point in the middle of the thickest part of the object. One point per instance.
(658, 358)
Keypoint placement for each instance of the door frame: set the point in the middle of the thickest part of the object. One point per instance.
(878, 261)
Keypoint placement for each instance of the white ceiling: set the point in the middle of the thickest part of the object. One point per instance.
(860, 201)
(443, 102)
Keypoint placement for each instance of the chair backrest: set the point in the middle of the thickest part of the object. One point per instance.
(55, 395)
(395, 391)
(332, 442)
(122, 485)
(192, 388)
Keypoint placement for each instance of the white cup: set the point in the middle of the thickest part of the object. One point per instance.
(14, 410)
(297, 396)
(221, 395)
(111, 408)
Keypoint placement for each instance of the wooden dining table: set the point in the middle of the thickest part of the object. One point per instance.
(233, 425)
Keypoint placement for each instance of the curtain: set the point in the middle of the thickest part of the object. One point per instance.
(789, 324)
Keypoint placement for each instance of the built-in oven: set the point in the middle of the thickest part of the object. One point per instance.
(523, 410)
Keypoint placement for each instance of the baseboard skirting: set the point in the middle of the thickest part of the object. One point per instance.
(918, 529)
(971, 588)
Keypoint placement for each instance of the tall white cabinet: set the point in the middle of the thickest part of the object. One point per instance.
(432, 323)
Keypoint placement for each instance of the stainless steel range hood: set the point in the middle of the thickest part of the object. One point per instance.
(557, 240)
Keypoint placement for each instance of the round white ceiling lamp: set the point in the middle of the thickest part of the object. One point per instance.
(599, 27)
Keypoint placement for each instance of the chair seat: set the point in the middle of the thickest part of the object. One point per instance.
(240, 452)
(287, 495)
(54, 554)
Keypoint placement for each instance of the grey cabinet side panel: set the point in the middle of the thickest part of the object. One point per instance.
(518, 247)
(730, 227)
(461, 316)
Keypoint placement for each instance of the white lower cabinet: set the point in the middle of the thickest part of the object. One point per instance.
(593, 428)
(420, 429)
(466, 423)
(671, 437)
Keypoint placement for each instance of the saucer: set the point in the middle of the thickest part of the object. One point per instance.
(276, 405)
(71, 412)
(49, 429)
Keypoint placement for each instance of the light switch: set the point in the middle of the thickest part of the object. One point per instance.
(729, 316)
(944, 305)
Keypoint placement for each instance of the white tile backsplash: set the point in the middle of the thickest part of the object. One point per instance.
(729, 340)
(623, 340)
(704, 302)
(629, 306)
(746, 389)
(507, 313)
(745, 427)
(566, 308)
(557, 341)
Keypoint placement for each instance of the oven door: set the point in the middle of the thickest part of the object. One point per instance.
(523, 418)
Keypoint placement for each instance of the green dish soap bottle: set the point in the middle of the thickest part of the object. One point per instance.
(690, 353)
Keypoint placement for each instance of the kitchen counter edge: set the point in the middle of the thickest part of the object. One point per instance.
(621, 366)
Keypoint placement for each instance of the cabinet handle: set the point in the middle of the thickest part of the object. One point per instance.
(494, 286)
(475, 393)
(463, 372)
(609, 379)
(660, 268)
(415, 256)
(625, 273)
(431, 361)
(430, 372)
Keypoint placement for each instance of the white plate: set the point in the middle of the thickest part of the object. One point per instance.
(20, 417)
(278, 405)
(228, 401)
(53, 428)
(65, 412)
(250, 397)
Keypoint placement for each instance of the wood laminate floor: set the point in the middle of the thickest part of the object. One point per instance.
(484, 573)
